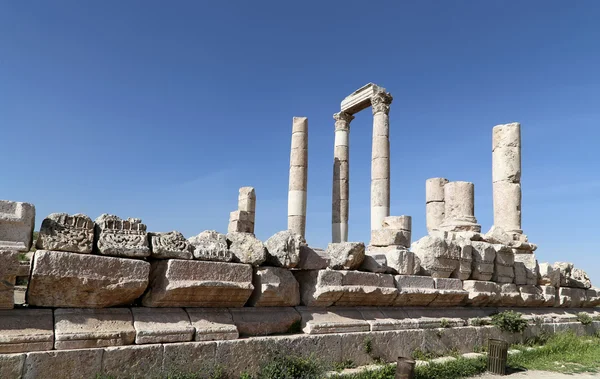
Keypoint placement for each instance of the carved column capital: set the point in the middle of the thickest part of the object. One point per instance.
(380, 102)
(342, 120)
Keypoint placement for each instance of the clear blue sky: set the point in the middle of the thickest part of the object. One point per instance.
(144, 109)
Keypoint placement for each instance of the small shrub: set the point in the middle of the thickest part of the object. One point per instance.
(420, 355)
(478, 321)
(291, 367)
(510, 321)
(368, 345)
(445, 323)
(584, 318)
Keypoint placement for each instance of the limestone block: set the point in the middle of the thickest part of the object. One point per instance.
(16, 225)
(283, 249)
(61, 279)
(63, 232)
(549, 276)
(161, 325)
(570, 297)
(396, 259)
(549, 295)
(434, 215)
(390, 237)
(11, 366)
(481, 293)
(121, 238)
(414, 290)
(312, 259)
(247, 199)
(212, 324)
(592, 296)
(241, 221)
(332, 320)
(465, 261)
(581, 278)
(397, 222)
(375, 260)
(170, 245)
(509, 295)
(63, 364)
(527, 270)
(264, 321)
(9, 267)
(504, 265)
(434, 189)
(88, 328)
(183, 358)
(571, 276)
(211, 245)
(184, 283)
(506, 153)
(437, 258)
(133, 362)
(246, 248)
(531, 296)
(274, 287)
(450, 293)
(23, 330)
(484, 256)
(345, 255)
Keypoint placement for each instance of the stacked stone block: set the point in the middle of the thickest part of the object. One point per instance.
(435, 204)
(242, 220)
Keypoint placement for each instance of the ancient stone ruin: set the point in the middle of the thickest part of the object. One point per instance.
(106, 296)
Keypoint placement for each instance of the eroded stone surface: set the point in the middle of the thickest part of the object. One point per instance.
(509, 295)
(549, 295)
(465, 260)
(161, 325)
(16, 225)
(449, 293)
(527, 270)
(211, 245)
(121, 238)
(332, 320)
(212, 324)
(185, 283)
(437, 258)
(504, 266)
(484, 256)
(274, 287)
(264, 321)
(345, 255)
(61, 279)
(64, 364)
(549, 275)
(390, 237)
(11, 365)
(63, 232)
(170, 245)
(246, 248)
(9, 267)
(283, 249)
(531, 296)
(481, 293)
(571, 276)
(23, 330)
(414, 290)
(133, 362)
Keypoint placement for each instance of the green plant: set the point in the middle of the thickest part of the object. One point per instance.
(478, 321)
(368, 345)
(510, 321)
(348, 363)
(245, 375)
(295, 328)
(291, 367)
(584, 318)
(444, 323)
(421, 355)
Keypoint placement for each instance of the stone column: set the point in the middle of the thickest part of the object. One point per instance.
(506, 176)
(380, 159)
(459, 208)
(434, 202)
(298, 176)
(341, 177)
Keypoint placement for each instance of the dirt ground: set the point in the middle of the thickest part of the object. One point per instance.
(540, 374)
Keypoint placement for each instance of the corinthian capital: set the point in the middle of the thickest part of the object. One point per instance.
(380, 102)
(342, 120)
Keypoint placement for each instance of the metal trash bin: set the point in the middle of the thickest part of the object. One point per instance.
(405, 368)
(497, 356)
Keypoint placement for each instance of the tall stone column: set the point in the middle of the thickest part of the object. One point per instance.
(459, 207)
(298, 176)
(506, 176)
(380, 159)
(341, 177)
(434, 202)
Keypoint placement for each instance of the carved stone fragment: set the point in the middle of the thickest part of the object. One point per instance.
(63, 232)
(283, 249)
(504, 266)
(170, 245)
(121, 238)
(211, 245)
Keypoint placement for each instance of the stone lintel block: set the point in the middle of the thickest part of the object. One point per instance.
(212, 324)
(390, 237)
(67, 364)
(274, 287)
(448, 284)
(61, 279)
(360, 99)
(185, 283)
(121, 238)
(133, 361)
(332, 320)
(89, 328)
(16, 225)
(63, 232)
(264, 321)
(160, 325)
(23, 330)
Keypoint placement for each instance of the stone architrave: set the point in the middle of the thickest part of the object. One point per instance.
(459, 208)
(437, 258)
(380, 159)
(246, 248)
(527, 271)
(274, 287)
(25, 330)
(341, 178)
(504, 266)
(346, 255)
(121, 238)
(434, 202)
(159, 325)
(484, 256)
(89, 328)
(62, 279)
(63, 232)
(9, 266)
(506, 176)
(16, 225)
(298, 180)
(481, 293)
(187, 283)
(170, 245)
(211, 245)
(283, 249)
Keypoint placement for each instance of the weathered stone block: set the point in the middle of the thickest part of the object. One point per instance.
(11, 366)
(345, 255)
(312, 259)
(161, 325)
(549, 276)
(465, 260)
(133, 362)
(246, 248)
(121, 238)
(65, 364)
(549, 295)
(527, 270)
(571, 276)
(414, 290)
(211, 245)
(509, 295)
(481, 293)
(332, 320)
(183, 283)
(212, 324)
(450, 293)
(394, 259)
(531, 296)
(283, 249)
(60, 279)
(170, 245)
(63, 232)
(390, 237)
(570, 297)
(438, 259)
(241, 222)
(16, 225)
(9, 267)
(504, 267)
(397, 222)
(23, 330)
(274, 287)
(88, 328)
(484, 256)
(592, 296)
(264, 321)
(375, 260)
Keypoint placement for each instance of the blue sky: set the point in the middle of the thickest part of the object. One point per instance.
(144, 109)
